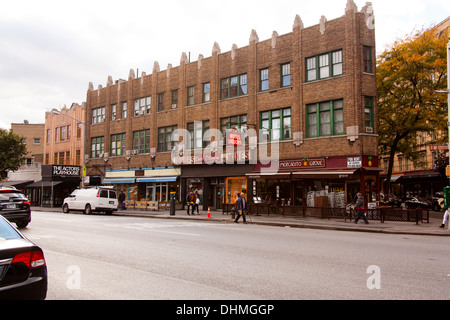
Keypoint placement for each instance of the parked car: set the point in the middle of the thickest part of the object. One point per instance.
(88, 200)
(416, 203)
(438, 201)
(14, 206)
(23, 270)
(391, 200)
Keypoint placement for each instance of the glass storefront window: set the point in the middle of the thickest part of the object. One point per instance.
(235, 186)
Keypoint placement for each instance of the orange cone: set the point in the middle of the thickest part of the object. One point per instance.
(209, 214)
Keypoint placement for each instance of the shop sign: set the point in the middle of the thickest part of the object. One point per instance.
(301, 164)
(438, 148)
(224, 158)
(234, 138)
(66, 171)
(354, 162)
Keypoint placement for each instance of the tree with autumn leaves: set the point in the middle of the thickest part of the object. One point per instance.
(408, 74)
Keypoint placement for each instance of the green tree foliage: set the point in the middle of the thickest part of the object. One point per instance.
(12, 152)
(408, 73)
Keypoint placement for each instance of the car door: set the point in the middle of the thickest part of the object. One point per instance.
(103, 199)
(113, 202)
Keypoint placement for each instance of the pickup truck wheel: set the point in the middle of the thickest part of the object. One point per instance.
(87, 209)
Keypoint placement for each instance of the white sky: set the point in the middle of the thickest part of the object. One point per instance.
(51, 49)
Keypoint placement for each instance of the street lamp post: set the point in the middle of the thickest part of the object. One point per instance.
(84, 141)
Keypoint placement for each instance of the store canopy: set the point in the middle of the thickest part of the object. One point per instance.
(325, 173)
(118, 180)
(15, 183)
(44, 184)
(157, 179)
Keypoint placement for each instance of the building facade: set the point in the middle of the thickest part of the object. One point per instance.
(311, 92)
(62, 142)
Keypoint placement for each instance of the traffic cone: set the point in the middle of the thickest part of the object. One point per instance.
(209, 214)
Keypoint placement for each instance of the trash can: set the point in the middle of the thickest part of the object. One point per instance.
(172, 203)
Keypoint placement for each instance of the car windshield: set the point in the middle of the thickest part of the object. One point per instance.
(7, 232)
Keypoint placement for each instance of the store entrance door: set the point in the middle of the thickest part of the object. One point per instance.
(219, 196)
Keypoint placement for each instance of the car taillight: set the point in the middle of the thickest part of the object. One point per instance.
(32, 259)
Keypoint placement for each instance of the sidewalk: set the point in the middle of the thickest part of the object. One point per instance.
(290, 221)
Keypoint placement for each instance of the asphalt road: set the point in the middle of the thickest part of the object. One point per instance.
(111, 257)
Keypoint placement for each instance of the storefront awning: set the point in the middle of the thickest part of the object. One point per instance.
(324, 174)
(44, 184)
(118, 180)
(303, 174)
(157, 179)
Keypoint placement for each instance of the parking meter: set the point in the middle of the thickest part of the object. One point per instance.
(172, 203)
(447, 197)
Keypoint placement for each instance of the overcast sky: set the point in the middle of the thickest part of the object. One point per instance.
(51, 49)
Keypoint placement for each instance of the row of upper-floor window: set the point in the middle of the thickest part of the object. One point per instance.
(63, 133)
(323, 119)
(318, 67)
(63, 158)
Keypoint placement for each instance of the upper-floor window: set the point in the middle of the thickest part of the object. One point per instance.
(368, 59)
(325, 118)
(234, 122)
(161, 101)
(165, 141)
(124, 110)
(142, 106)
(198, 132)
(285, 75)
(264, 79)
(98, 115)
(141, 141)
(324, 66)
(233, 86)
(174, 99)
(190, 95)
(206, 92)
(276, 125)
(113, 112)
(97, 147)
(118, 144)
(368, 114)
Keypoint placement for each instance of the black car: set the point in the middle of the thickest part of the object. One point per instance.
(14, 206)
(23, 271)
(416, 203)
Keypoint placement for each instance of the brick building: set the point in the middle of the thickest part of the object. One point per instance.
(312, 91)
(62, 151)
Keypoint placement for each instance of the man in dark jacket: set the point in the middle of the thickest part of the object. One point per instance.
(121, 200)
(241, 207)
(190, 202)
(360, 207)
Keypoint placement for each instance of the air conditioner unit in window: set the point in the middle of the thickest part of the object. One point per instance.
(369, 130)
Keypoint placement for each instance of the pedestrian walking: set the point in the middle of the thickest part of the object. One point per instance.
(360, 207)
(197, 202)
(241, 208)
(121, 200)
(190, 202)
(446, 214)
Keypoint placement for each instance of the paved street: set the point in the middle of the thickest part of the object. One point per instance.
(115, 257)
